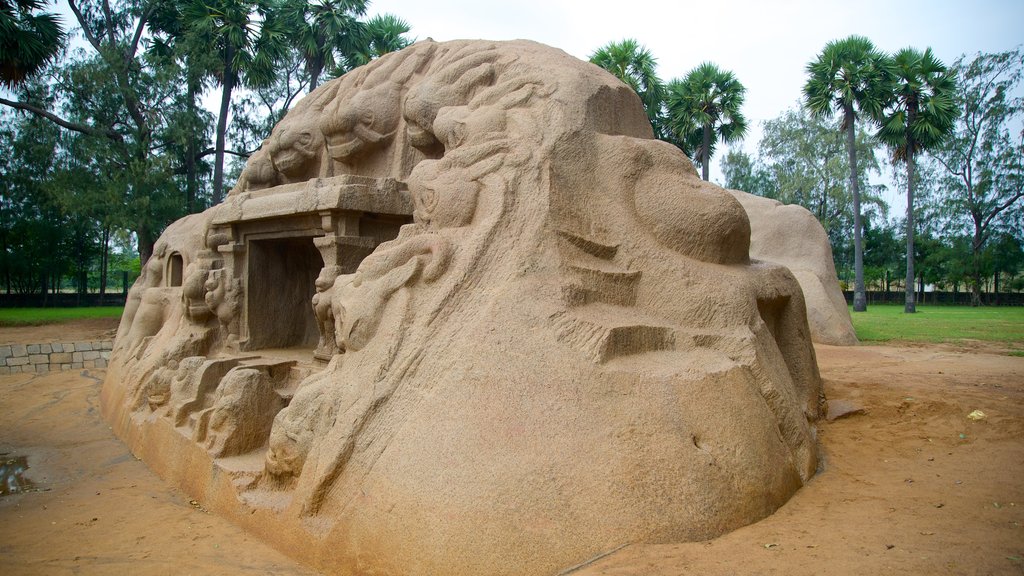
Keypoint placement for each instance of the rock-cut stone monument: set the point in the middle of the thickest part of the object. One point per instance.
(463, 315)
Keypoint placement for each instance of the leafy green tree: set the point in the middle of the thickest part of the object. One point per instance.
(852, 77)
(249, 38)
(633, 63)
(48, 227)
(707, 102)
(742, 172)
(920, 117)
(984, 156)
(169, 46)
(807, 159)
(881, 253)
(382, 34)
(28, 39)
(1007, 257)
(118, 101)
(323, 31)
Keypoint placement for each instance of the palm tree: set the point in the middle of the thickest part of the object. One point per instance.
(634, 64)
(248, 38)
(706, 104)
(322, 29)
(27, 40)
(921, 116)
(381, 34)
(852, 77)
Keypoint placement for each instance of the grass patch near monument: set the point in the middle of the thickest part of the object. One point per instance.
(40, 316)
(887, 322)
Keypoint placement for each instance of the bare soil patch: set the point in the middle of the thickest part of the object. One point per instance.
(910, 484)
(86, 329)
(92, 508)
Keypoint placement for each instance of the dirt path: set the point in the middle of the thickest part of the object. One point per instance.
(95, 509)
(76, 331)
(911, 486)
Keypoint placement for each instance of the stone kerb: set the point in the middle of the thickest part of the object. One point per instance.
(54, 356)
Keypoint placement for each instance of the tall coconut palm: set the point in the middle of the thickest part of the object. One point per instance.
(633, 63)
(322, 29)
(28, 40)
(920, 118)
(248, 38)
(852, 77)
(706, 104)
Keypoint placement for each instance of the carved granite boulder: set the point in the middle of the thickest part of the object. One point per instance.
(465, 316)
(792, 236)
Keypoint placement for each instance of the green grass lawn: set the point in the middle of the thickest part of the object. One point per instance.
(40, 316)
(883, 322)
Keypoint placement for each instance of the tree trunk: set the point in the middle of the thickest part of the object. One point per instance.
(705, 152)
(104, 260)
(995, 288)
(976, 269)
(191, 172)
(860, 298)
(222, 126)
(909, 305)
(146, 242)
(316, 66)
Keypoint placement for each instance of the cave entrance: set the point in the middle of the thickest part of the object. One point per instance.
(280, 285)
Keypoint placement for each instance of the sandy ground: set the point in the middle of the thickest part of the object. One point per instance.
(77, 331)
(909, 486)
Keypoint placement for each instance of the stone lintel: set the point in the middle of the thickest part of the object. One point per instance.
(380, 196)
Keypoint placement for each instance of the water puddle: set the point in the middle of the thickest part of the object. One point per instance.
(12, 475)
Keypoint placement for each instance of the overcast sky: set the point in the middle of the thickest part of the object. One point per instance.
(765, 43)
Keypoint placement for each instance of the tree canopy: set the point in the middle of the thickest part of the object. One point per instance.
(704, 107)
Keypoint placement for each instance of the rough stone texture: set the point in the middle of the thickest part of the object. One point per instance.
(541, 334)
(39, 359)
(790, 235)
(843, 408)
(17, 360)
(32, 349)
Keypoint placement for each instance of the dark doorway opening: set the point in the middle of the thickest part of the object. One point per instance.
(175, 270)
(281, 277)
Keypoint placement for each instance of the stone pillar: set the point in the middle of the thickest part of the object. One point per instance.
(232, 266)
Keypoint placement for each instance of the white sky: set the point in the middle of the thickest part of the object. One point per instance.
(765, 43)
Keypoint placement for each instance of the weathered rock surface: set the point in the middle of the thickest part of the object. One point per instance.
(541, 333)
(790, 235)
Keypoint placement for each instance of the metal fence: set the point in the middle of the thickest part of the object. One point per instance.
(942, 298)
